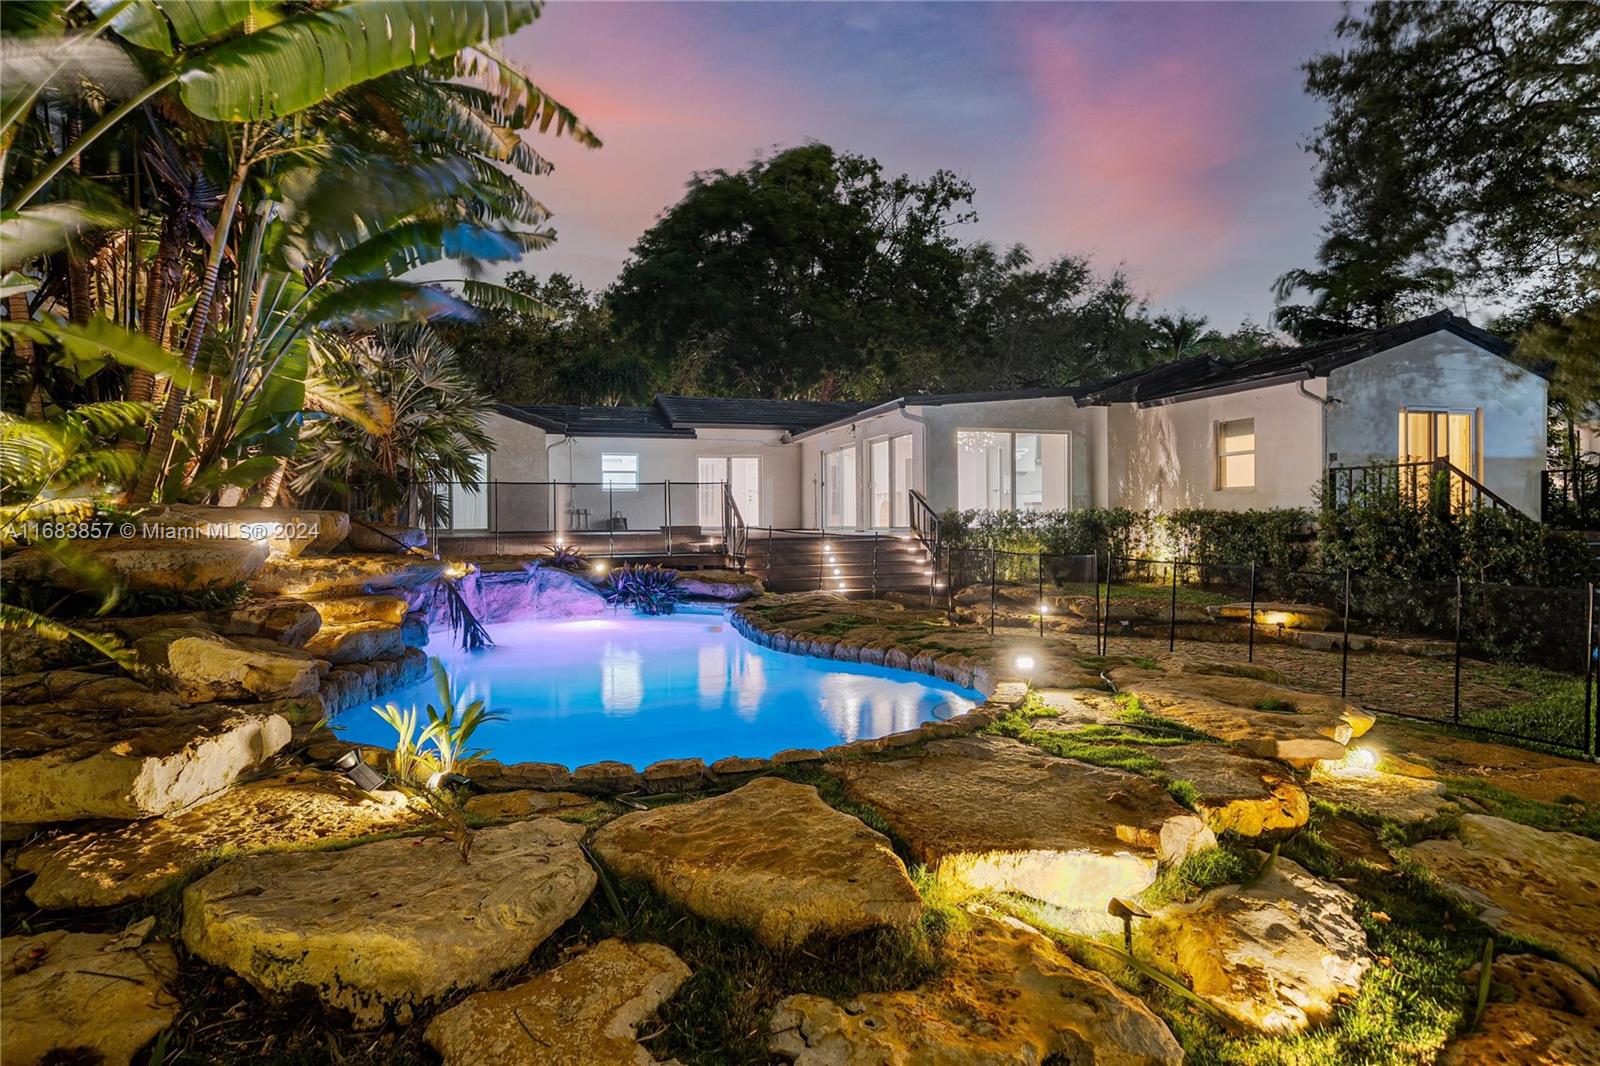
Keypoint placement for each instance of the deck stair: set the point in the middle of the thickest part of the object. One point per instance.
(854, 564)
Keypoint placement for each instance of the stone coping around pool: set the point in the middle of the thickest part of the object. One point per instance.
(683, 775)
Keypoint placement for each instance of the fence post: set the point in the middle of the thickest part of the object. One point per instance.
(1591, 730)
(1094, 577)
(1039, 559)
(933, 573)
(611, 520)
(1344, 642)
(1456, 712)
(666, 513)
(1250, 654)
(1105, 628)
(494, 514)
(1172, 611)
(993, 559)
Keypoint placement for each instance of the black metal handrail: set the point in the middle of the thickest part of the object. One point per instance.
(1428, 482)
(1569, 496)
(735, 532)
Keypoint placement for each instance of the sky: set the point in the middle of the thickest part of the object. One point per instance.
(1163, 138)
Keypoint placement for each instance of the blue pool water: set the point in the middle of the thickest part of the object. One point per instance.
(642, 689)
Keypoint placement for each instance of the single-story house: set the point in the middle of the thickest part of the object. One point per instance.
(1200, 432)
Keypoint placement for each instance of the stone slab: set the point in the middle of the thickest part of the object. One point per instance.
(989, 813)
(381, 929)
(771, 856)
(582, 1013)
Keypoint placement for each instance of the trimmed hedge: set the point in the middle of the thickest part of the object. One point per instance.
(1381, 536)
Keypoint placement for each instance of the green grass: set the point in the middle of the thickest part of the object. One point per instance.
(1570, 817)
(1273, 703)
(1100, 744)
(1549, 706)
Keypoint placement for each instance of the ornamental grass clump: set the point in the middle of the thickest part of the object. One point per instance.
(647, 589)
(565, 557)
(428, 763)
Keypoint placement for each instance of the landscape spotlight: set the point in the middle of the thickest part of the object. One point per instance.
(357, 772)
(599, 568)
(1361, 758)
(1025, 664)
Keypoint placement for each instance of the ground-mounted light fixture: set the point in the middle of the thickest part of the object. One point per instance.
(1361, 759)
(1127, 910)
(355, 770)
(1025, 663)
(600, 568)
(439, 779)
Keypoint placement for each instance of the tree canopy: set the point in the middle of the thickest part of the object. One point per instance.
(1461, 157)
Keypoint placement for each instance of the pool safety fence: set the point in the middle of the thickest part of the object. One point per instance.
(1513, 662)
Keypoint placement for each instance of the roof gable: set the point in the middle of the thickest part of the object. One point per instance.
(1205, 373)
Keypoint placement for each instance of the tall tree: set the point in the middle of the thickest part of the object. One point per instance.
(1460, 149)
(785, 277)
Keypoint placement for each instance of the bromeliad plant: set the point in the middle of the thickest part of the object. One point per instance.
(565, 557)
(646, 588)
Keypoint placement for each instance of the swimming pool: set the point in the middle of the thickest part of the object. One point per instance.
(641, 689)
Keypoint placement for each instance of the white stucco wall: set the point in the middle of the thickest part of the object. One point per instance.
(1443, 371)
(859, 433)
(1163, 456)
(676, 459)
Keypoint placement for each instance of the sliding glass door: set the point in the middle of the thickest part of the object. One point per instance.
(742, 475)
(890, 471)
(839, 489)
(1006, 471)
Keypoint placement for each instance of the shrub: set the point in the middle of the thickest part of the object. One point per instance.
(564, 557)
(646, 588)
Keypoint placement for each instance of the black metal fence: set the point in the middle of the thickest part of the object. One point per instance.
(1507, 661)
(1570, 495)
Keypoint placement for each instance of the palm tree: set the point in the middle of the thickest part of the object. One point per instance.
(432, 434)
(396, 156)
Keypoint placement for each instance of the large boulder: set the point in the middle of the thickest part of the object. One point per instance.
(722, 585)
(1394, 796)
(357, 642)
(67, 761)
(361, 684)
(144, 564)
(105, 867)
(367, 607)
(771, 856)
(1541, 886)
(582, 1013)
(202, 666)
(384, 928)
(287, 621)
(1236, 792)
(1299, 728)
(1545, 1015)
(285, 530)
(346, 575)
(378, 538)
(555, 593)
(1279, 615)
(85, 997)
(1275, 955)
(1008, 996)
(991, 814)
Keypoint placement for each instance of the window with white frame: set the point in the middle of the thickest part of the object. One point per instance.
(1236, 454)
(619, 471)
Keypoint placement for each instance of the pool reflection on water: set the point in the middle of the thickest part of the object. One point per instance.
(643, 689)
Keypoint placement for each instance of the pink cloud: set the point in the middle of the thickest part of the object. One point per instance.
(1128, 152)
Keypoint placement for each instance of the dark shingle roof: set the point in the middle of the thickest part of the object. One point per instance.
(791, 415)
(679, 416)
(1201, 373)
(584, 421)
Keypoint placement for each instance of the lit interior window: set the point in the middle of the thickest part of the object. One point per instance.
(1236, 454)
